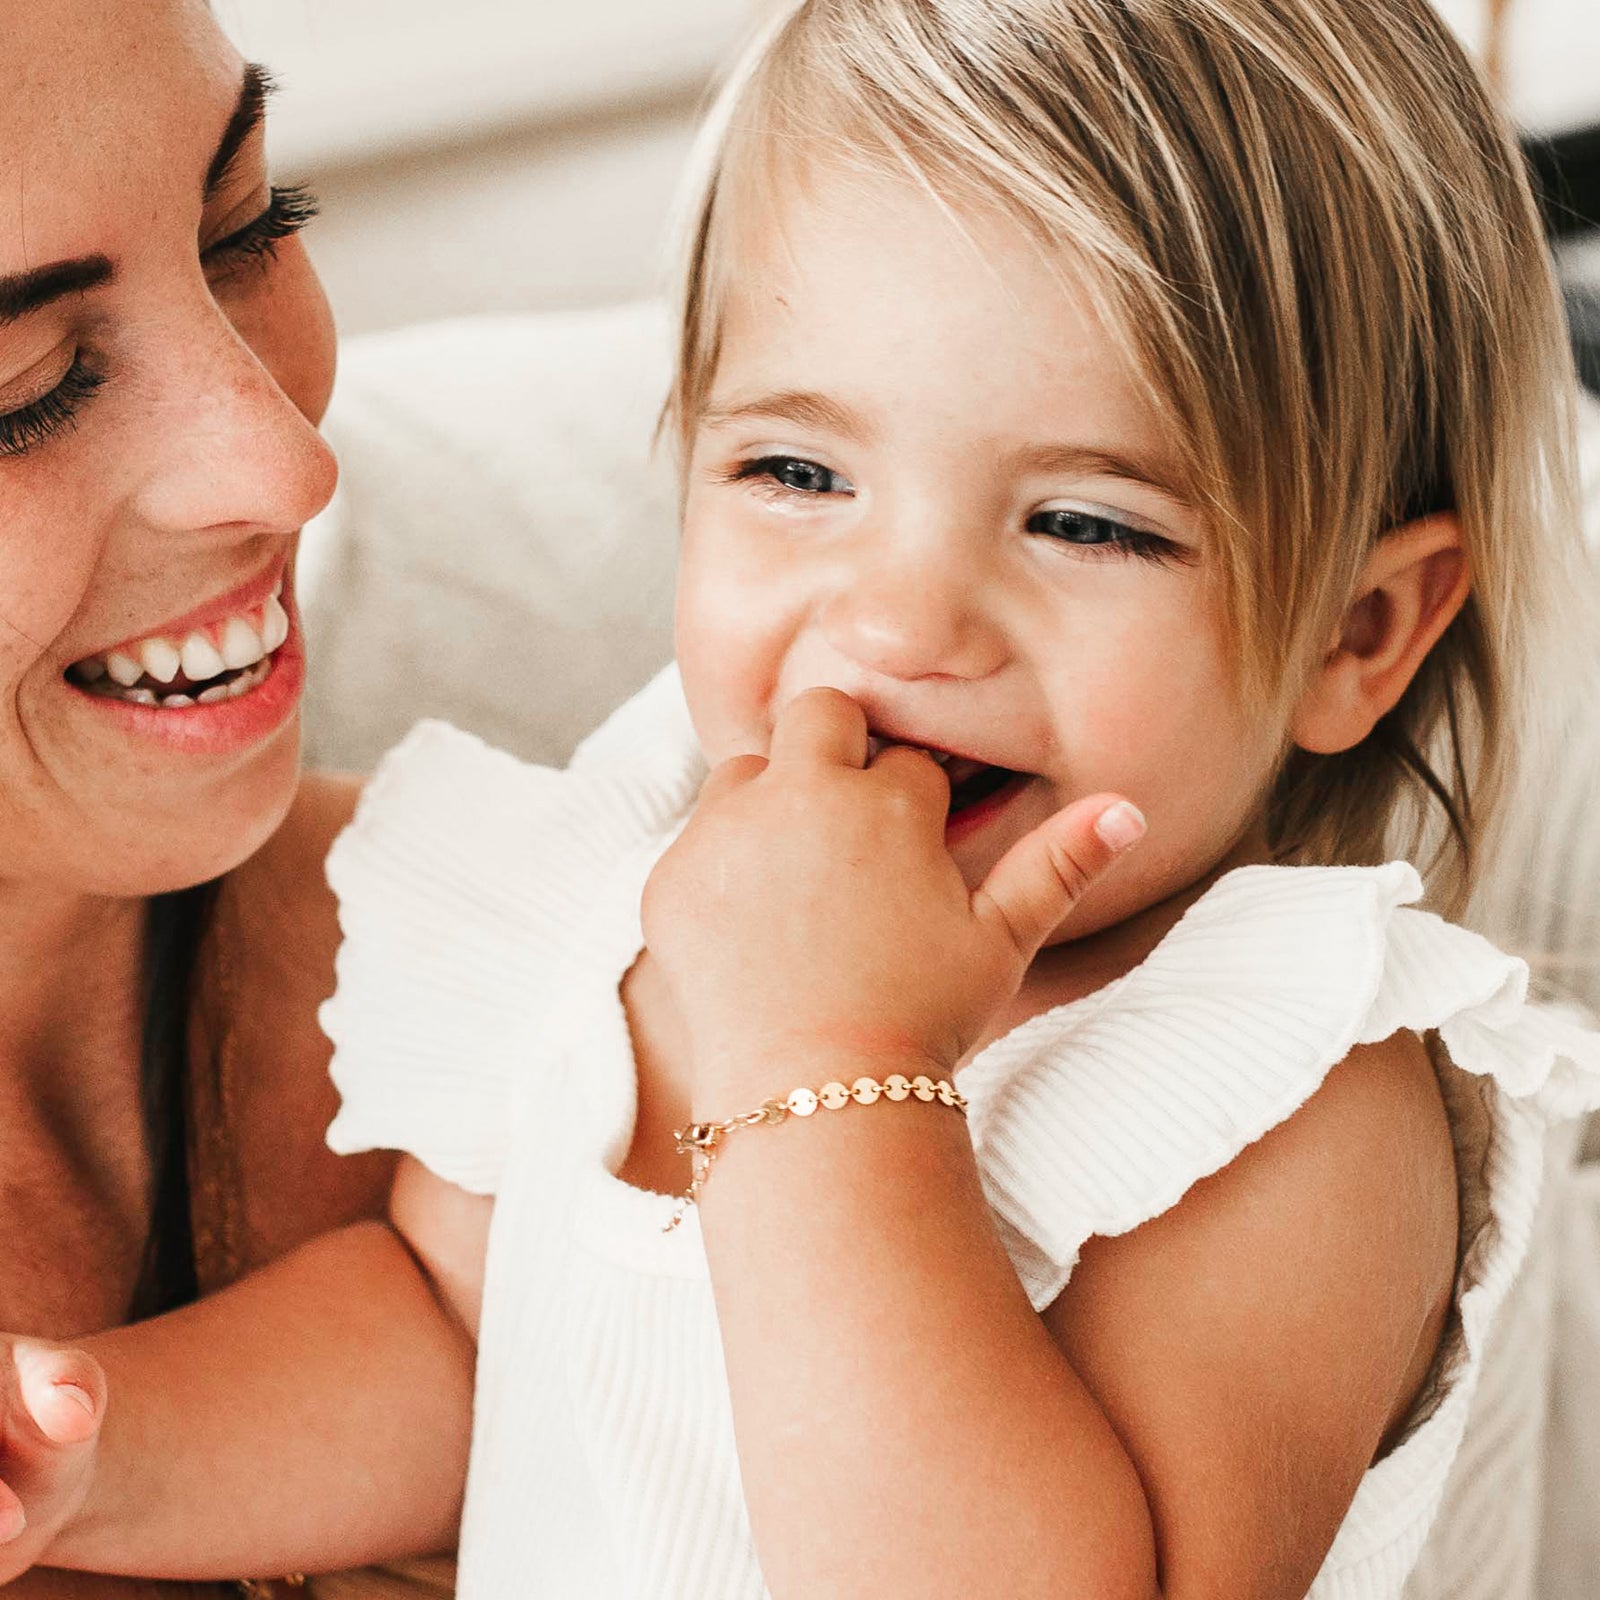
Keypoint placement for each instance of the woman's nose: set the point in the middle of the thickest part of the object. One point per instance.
(915, 613)
(229, 447)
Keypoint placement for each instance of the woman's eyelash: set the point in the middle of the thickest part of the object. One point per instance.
(289, 210)
(1084, 530)
(21, 430)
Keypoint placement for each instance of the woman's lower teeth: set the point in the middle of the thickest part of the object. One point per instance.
(230, 686)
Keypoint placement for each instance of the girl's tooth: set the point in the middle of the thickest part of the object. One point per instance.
(274, 624)
(160, 660)
(240, 645)
(177, 702)
(200, 658)
(140, 697)
(92, 670)
(216, 693)
(241, 685)
(124, 669)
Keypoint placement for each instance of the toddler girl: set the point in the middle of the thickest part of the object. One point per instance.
(1100, 419)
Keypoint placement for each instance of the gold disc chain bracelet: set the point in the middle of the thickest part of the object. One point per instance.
(703, 1140)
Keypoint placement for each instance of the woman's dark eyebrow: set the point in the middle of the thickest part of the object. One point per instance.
(250, 108)
(22, 292)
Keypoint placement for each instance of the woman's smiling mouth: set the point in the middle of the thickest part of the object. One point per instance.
(221, 679)
(204, 666)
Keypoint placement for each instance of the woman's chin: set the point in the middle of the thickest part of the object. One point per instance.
(145, 829)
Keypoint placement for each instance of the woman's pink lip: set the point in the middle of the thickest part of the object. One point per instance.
(245, 597)
(230, 725)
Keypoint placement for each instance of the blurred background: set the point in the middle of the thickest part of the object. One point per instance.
(510, 155)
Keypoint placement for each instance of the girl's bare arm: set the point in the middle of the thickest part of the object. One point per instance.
(1190, 1419)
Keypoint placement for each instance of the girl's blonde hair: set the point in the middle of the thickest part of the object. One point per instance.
(1312, 231)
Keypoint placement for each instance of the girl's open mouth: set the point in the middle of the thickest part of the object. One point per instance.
(978, 790)
(978, 793)
(223, 661)
(972, 782)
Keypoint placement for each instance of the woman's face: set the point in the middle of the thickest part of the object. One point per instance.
(165, 355)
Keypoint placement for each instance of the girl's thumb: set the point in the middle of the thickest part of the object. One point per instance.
(1041, 877)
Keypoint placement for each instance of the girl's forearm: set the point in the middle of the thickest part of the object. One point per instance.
(906, 1424)
(313, 1417)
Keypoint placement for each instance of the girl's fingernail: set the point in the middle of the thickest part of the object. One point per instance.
(1121, 825)
(82, 1396)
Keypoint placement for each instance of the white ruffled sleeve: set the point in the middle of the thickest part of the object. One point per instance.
(463, 884)
(1095, 1118)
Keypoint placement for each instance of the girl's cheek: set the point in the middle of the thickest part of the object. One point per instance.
(735, 627)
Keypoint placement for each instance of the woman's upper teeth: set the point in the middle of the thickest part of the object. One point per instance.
(240, 641)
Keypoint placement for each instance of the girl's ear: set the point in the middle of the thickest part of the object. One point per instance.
(1409, 591)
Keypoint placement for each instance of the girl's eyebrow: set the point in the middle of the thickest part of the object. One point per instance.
(1084, 461)
(802, 406)
(255, 90)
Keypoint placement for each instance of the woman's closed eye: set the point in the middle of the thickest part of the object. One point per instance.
(290, 209)
(1100, 535)
(38, 420)
(26, 427)
(791, 476)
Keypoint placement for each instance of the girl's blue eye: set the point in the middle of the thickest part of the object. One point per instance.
(33, 424)
(1085, 530)
(794, 474)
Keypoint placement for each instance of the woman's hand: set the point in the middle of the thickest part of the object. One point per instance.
(810, 912)
(52, 1402)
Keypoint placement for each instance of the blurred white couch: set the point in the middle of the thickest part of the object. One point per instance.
(501, 555)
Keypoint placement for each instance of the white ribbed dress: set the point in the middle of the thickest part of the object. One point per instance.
(490, 910)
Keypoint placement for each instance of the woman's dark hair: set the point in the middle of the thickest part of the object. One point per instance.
(175, 926)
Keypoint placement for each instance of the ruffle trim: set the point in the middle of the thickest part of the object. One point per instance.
(1094, 1118)
(467, 885)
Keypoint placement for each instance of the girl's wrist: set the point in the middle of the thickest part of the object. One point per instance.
(737, 1086)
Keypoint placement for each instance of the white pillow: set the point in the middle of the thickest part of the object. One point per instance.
(501, 550)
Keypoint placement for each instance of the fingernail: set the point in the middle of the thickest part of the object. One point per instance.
(82, 1396)
(1121, 825)
(13, 1523)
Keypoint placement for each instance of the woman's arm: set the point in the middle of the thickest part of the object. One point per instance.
(313, 1417)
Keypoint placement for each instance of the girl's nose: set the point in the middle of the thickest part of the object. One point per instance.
(915, 618)
(229, 449)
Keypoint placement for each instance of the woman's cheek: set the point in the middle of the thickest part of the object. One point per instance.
(47, 559)
(282, 313)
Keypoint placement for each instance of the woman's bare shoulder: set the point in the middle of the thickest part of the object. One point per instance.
(270, 966)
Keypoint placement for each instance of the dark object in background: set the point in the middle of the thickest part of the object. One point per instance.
(1583, 312)
(1566, 177)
